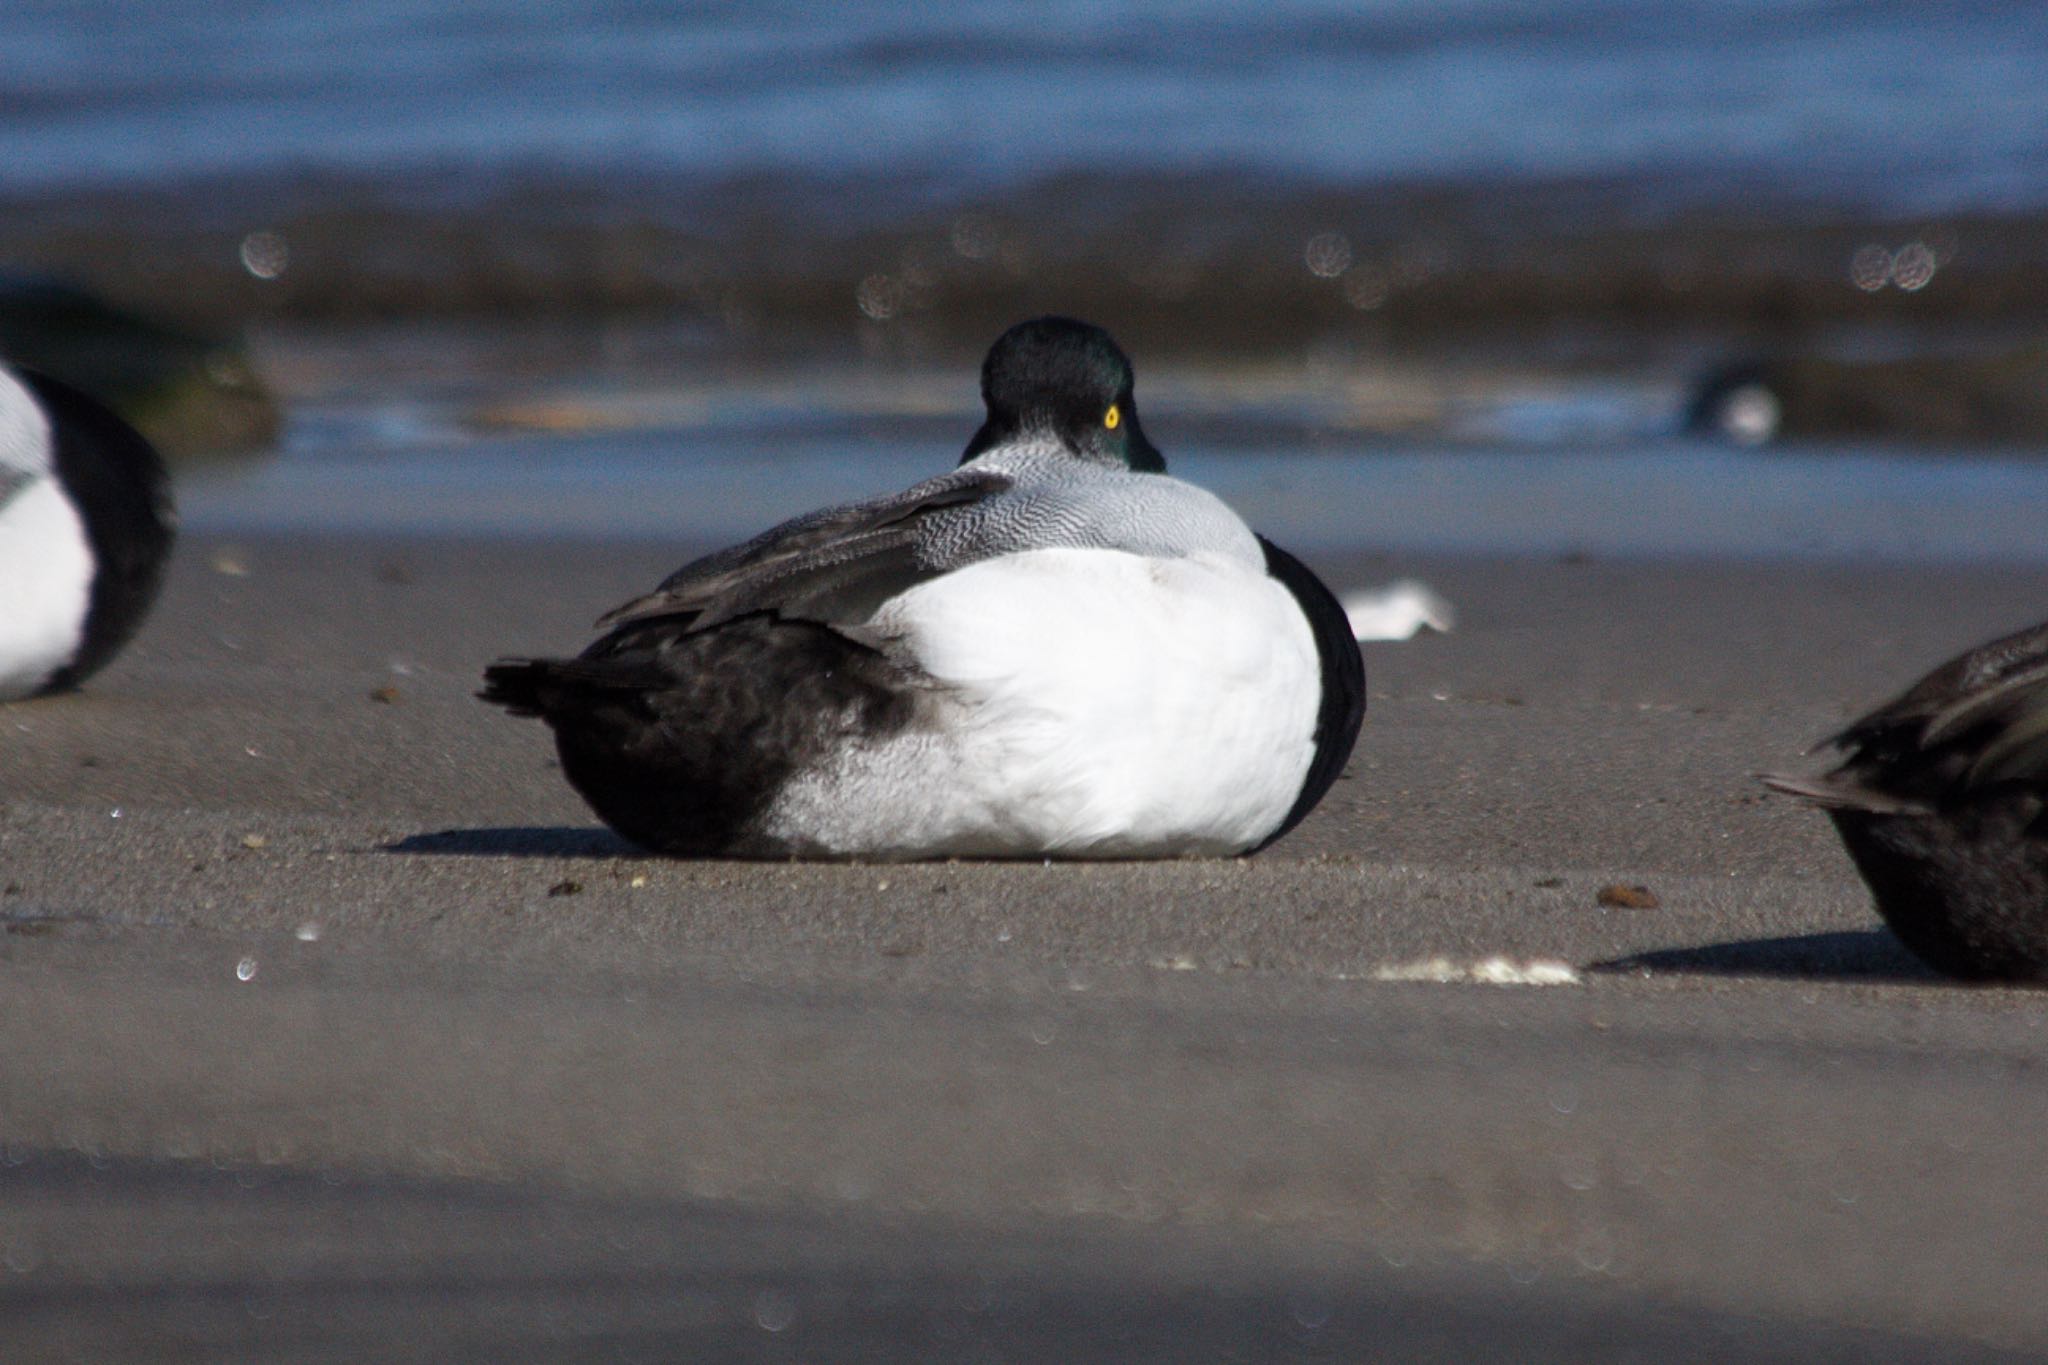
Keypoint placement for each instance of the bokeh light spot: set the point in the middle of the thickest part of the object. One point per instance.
(1366, 287)
(1870, 269)
(880, 297)
(265, 254)
(1328, 255)
(1913, 266)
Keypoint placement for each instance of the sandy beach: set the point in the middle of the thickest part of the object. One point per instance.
(336, 1024)
(1696, 360)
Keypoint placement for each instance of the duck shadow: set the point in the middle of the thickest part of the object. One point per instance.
(520, 841)
(1843, 955)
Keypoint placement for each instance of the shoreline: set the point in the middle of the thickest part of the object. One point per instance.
(1672, 501)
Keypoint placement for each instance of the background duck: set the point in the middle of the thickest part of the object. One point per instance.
(1943, 805)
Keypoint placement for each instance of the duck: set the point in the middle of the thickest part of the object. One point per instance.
(1942, 803)
(87, 523)
(1054, 650)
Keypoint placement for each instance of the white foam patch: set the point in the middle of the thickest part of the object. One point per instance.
(1398, 611)
(1486, 971)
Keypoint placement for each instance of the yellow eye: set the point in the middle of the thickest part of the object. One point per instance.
(1112, 418)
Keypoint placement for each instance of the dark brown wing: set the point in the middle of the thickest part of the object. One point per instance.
(1979, 719)
(1927, 711)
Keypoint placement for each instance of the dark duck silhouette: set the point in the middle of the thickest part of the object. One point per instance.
(1054, 650)
(1942, 802)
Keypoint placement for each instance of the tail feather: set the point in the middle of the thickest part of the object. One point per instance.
(546, 687)
(1833, 793)
(518, 685)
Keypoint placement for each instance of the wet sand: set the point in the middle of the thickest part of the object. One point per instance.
(336, 1026)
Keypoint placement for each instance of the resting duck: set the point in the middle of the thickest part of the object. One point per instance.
(1054, 650)
(1943, 804)
(86, 526)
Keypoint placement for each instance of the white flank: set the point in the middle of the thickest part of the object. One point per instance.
(1091, 703)
(45, 585)
(45, 562)
(1398, 611)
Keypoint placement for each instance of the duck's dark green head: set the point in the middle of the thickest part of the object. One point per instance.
(1066, 380)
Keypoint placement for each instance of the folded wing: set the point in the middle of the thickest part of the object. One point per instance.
(833, 565)
(1977, 721)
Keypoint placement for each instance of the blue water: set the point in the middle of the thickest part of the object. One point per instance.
(1920, 105)
(1630, 495)
(511, 155)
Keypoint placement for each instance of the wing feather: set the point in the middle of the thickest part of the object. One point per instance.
(831, 565)
(1978, 720)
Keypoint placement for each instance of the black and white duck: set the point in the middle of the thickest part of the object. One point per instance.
(1054, 650)
(86, 526)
